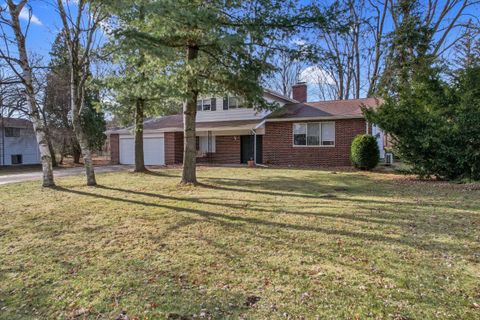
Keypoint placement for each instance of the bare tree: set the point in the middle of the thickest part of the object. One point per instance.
(377, 27)
(81, 31)
(21, 67)
(287, 73)
(467, 50)
(354, 56)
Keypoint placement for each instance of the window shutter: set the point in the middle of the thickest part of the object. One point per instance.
(225, 103)
(213, 106)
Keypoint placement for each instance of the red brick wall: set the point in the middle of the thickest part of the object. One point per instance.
(227, 151)
(278, 145)
(173, 147)
(299, 92)
(114, 149)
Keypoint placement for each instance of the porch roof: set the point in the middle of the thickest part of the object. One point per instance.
(175, 123)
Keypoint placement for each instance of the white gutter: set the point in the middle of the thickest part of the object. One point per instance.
(314, 118)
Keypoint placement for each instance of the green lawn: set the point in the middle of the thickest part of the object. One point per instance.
(249, 243)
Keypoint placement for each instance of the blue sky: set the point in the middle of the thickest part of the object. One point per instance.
(46, 24)
(44, 27)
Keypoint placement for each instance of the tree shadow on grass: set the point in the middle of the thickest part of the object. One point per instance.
(234, 219)
(138, 290)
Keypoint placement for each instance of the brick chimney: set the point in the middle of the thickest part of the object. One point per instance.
(299, 92)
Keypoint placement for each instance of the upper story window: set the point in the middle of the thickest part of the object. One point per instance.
(12, 132)
(207, 105)
(232, 103)
(314, 134)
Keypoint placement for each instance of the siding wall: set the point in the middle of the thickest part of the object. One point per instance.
(231, 114)
(26, 145)
(278, 145)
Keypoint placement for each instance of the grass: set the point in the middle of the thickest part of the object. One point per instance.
(249, 244)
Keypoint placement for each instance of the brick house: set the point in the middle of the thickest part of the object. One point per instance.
(299, 133)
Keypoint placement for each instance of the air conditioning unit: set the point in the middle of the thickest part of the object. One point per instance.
(388, 158)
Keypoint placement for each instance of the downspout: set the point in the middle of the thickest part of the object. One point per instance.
(254, 131)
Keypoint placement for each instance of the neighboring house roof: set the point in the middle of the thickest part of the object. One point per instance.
(14, 122)
(324, 109)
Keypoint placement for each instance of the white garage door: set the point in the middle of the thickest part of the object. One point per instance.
(153, 150)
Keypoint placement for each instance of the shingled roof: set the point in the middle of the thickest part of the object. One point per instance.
(334, 108)
(321, 109)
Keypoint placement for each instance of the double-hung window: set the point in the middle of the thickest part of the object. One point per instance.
(314, 134)
(206, 105)
(232, 103)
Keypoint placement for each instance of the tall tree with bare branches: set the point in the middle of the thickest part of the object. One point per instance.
(81, 32)
(22, 68)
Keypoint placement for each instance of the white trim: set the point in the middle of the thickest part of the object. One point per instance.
(314, 118)
(320, 137)
(145, 135)
(278, 95)
(203, 105)
(259, 125)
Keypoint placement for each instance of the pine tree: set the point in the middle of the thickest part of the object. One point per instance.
(212, 47)
(408, 47)
(137, 86)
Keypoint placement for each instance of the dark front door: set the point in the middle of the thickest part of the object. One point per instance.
(247, 146)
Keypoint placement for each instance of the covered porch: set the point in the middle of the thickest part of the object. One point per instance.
(226, 142)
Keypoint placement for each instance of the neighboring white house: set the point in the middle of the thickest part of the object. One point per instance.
(18, 144)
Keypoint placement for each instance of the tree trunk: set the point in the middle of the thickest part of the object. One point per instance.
(76, 151)
(51, 149)
(62, 152)
(45, 156)
(27, 79)
(139, 156)
(189, 174)
(77, 107)
(86, 152)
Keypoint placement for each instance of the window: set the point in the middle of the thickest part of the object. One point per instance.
(314, 134)
(232, 103)
(12, 132)
(206, 105)
(299, 134)
(17, 159)
(206, 145)
(328, 133)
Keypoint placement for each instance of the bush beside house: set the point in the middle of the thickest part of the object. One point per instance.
(364, 152)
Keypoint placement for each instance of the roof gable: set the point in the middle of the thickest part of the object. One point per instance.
(324, 109)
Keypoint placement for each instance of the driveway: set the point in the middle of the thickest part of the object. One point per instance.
(37, 175)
